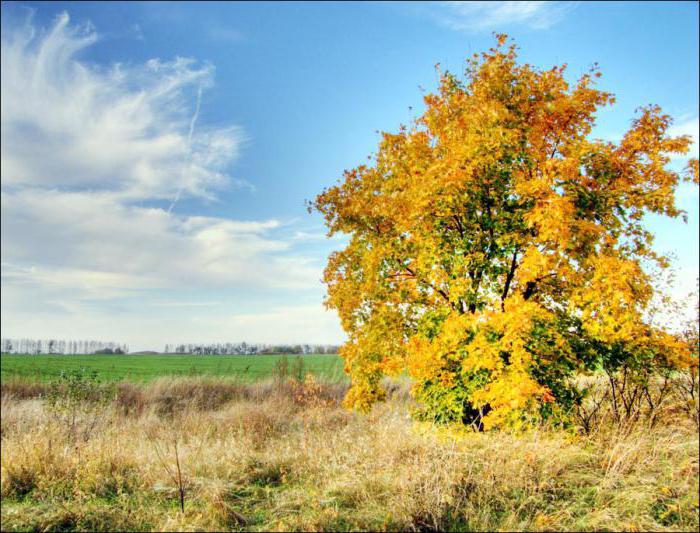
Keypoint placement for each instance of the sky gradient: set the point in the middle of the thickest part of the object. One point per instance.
(156, 157)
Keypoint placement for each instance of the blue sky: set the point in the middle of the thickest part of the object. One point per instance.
(156, 157)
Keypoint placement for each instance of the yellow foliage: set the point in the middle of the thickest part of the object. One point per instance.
(492, 235)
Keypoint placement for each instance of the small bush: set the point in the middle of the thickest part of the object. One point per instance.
(76, 400)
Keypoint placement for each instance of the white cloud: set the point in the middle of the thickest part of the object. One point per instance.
(72, 233)
(283, 324)
(496, 16)
(84, 146)
(120, 129)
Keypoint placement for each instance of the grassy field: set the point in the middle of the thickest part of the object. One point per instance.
(283, 455)
(232, 443)
(142, 368)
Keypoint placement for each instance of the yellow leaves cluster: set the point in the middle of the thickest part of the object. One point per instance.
(534, 264)
(674, 352)
(610, 302)
(479, 342)
(423, 362)
(693, 171)
(362, 395)
(510, 396)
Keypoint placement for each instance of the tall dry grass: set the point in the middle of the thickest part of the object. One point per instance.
(285, 456)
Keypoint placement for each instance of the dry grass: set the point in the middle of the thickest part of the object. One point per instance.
(286, 456)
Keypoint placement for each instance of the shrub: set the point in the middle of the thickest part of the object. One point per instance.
(76, 400)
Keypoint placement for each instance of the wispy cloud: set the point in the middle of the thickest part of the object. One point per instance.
(224, 34)
(496, 16)
(134, 31)
(121, 129)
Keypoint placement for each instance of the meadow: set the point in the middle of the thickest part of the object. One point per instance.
(141, 368)
(216, 454)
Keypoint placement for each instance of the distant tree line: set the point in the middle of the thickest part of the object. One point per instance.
(243, 348)
(54, 346)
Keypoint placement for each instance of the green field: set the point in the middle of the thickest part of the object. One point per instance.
(246, 368)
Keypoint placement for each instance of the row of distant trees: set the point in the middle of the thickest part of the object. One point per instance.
(243, 348)
(54, 346)
(57, 346)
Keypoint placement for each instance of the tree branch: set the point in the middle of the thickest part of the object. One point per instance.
(531, 286)
(439, 291)
(509, 278)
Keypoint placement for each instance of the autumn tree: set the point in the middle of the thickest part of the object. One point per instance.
(495, 249)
